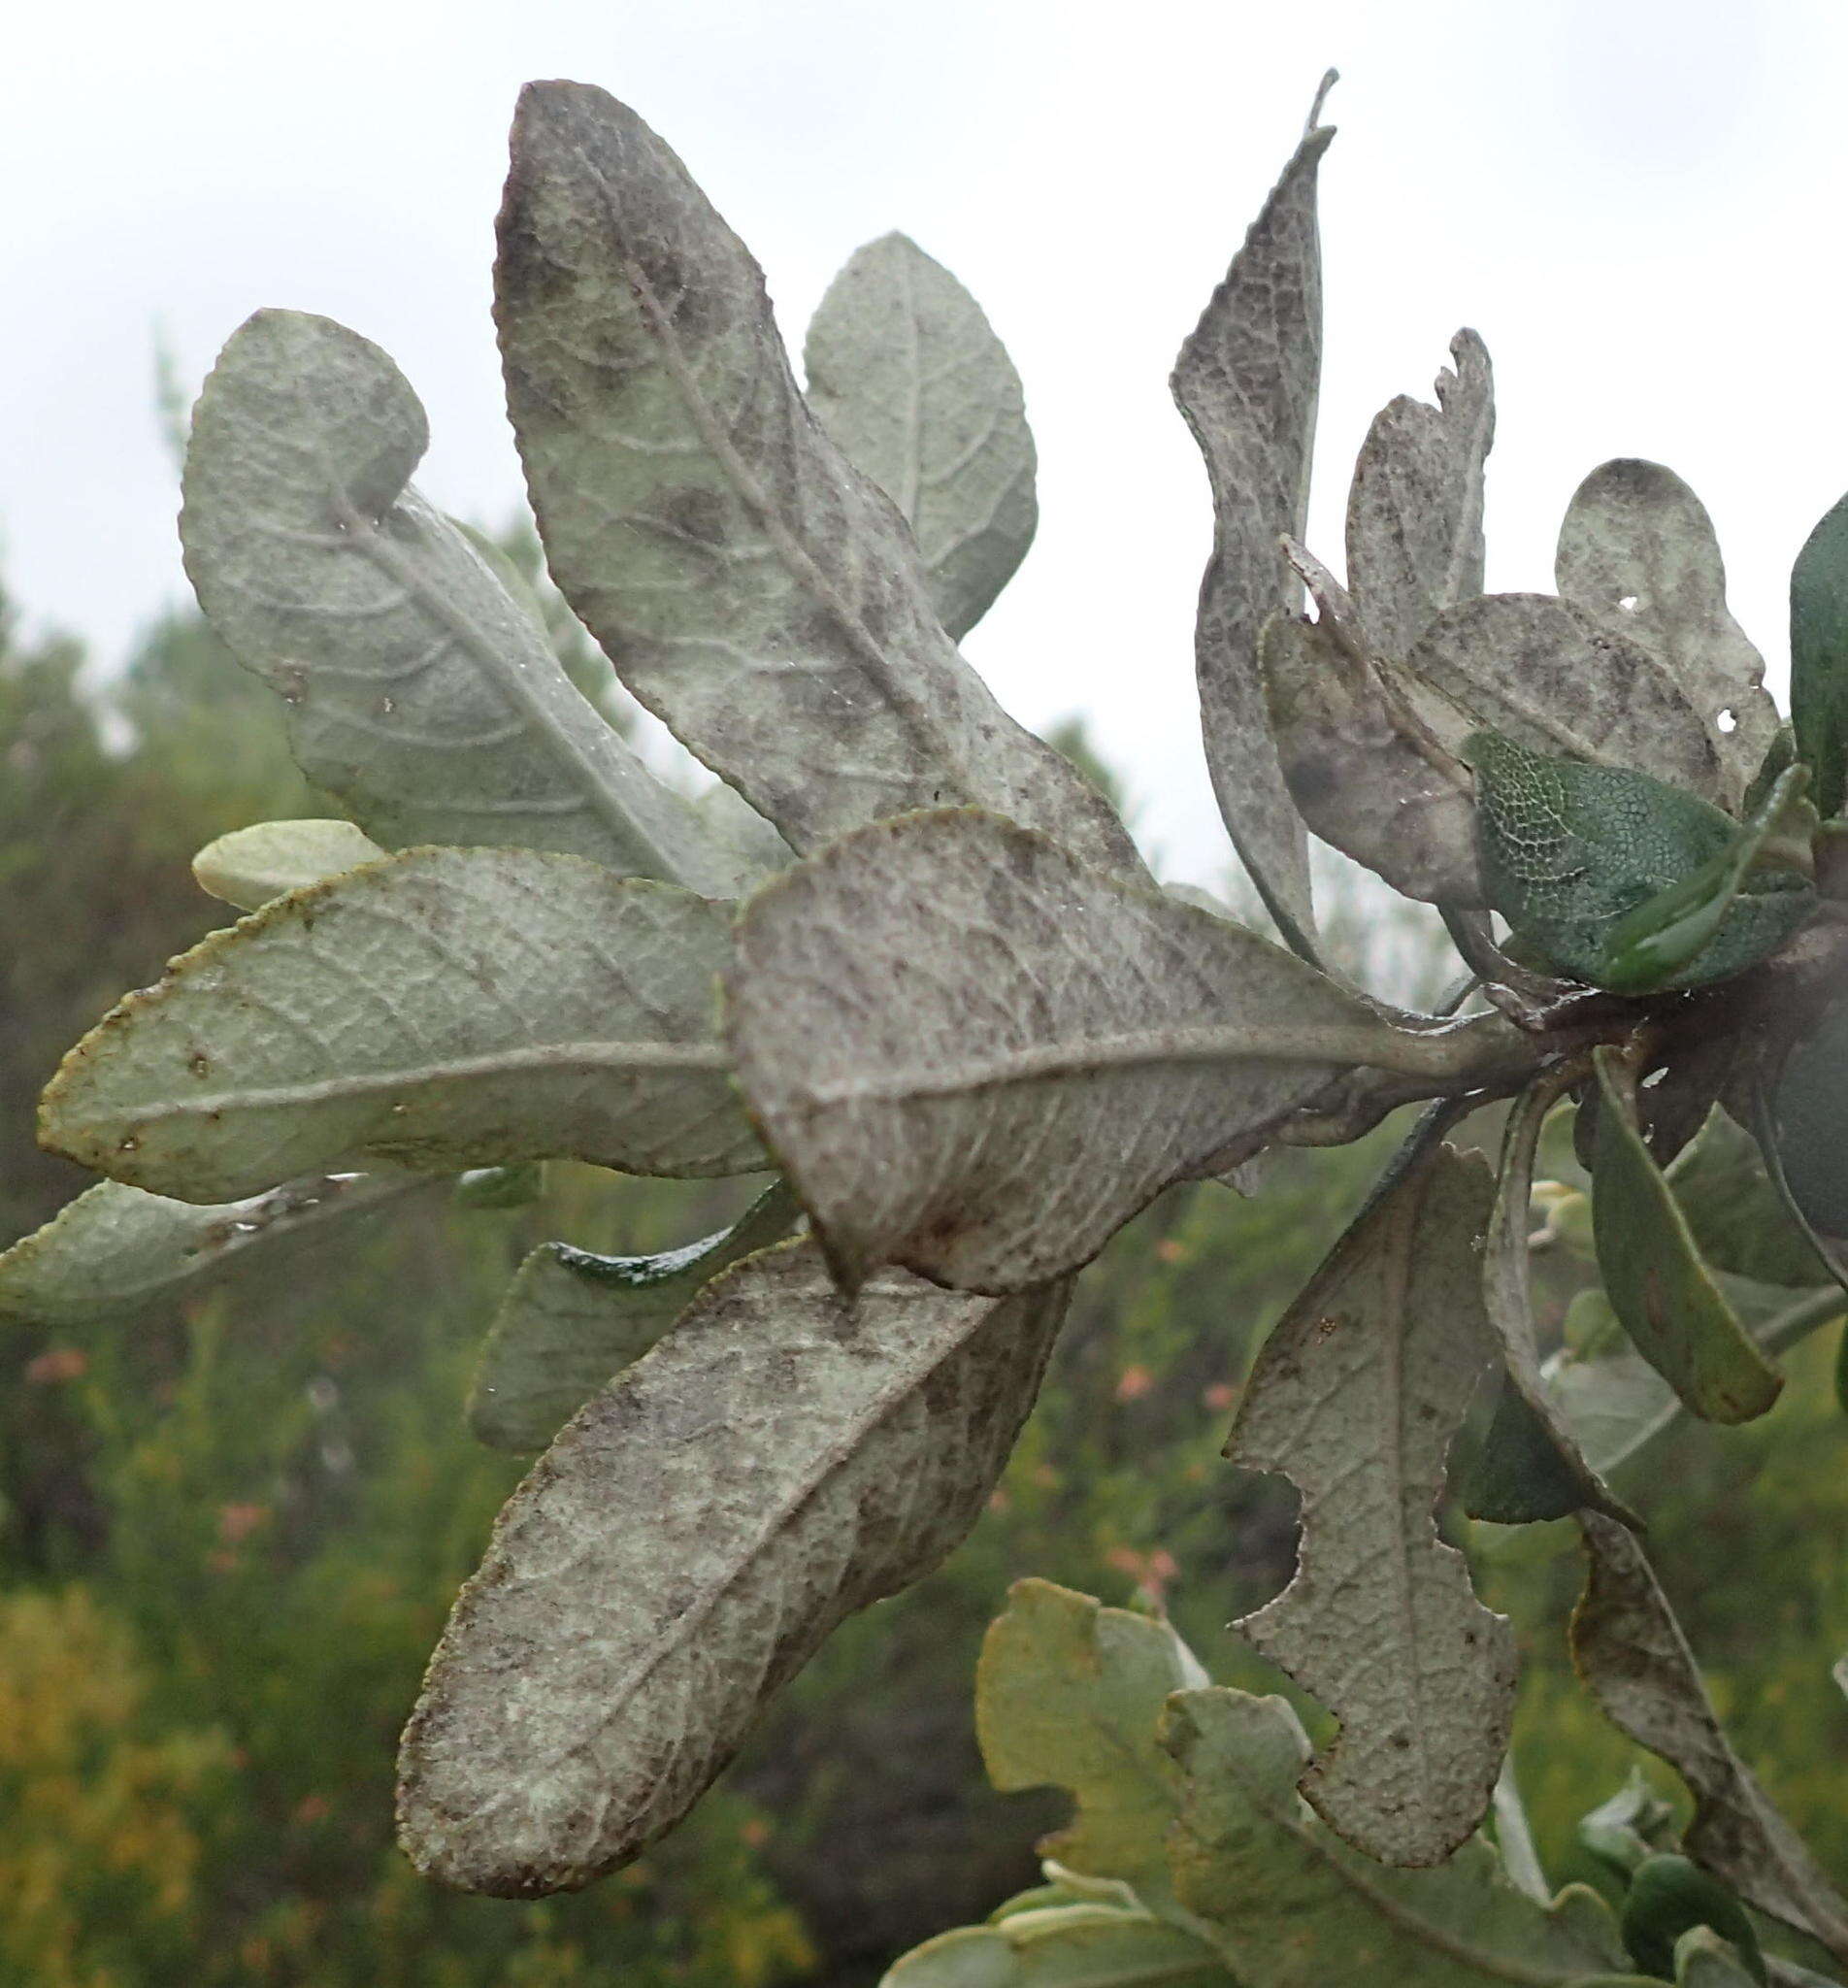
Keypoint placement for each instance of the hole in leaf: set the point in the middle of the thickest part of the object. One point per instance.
(1729, 720)
(1654, 1077)
(1629, 604)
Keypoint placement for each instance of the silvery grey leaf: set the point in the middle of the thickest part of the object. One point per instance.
(1544, 672)
(1629, 1650)
(419, 689)
(1246, 380)
(977, 1056)
(116, 1251)
(779, 1460)
(571, 1319)
(250, 866)
(1364, 772)
(753, 589)
(1414, 509)
(1637, 551)
(1355, 1396)
(907, 377)
(442, 1009)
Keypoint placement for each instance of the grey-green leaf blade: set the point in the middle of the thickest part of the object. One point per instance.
(977, 1056)
(1414, 509)
(1246, 381)
(1629, 1650)
(444, 1009)
(1542, 672)
(1637, 551)
(116, 1251)
(420, 691)
(570, 1319)
(907, 375)
(1290, 1905)
(687, 1543)
(1819, 656)
(1355, 1396)
(250, 866)
(1070, 1946)
(752, 587)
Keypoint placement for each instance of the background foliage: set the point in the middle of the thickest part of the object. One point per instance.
(231, 1534)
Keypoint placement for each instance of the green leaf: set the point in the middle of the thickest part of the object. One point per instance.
(1631, 1652)
(1530, 1465)
(1809, 1118)
(1073, 1946)
(907, 377)
(977, 1056)
(1701, 1959)
(1818, 657)
(419, 689)
(250, 866)
(778, 1461)
(1540, 672)
(1355, 1396)
(1614, 1402)
(1364, 775)
(445, 1009)
(570, 1319)
(1663, 1294)
(1414, 509)
(1290, 1905)
(1066, 1695)
(1736, 1213)
(1632, 1826)
(1637, 551)
(1669, 1897)
(1246, 382)
(116, 1251)
(1648, 946)
(753, 589)
(1569, 850)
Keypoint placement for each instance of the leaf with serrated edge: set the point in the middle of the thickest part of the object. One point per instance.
(907, 377)
(1290, 1905)
(779, 1460)
(1067, 1946)
(753, 589)
(1631, 1652)
(1355, 1397)
(419, 689)
(1365, 775)
(116, 1251)
(1637, 551)
(1066, 1695)
(1542, 672)
(977, 1056)
(444, 1009)
(1414, 509)
(1246, 382)
(1675, 1315)
(250, 866)
(570, 1319)
(1508, 1300)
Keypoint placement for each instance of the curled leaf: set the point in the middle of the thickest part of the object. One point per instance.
(1246, 382)
(687, 1545)
(1414, 509)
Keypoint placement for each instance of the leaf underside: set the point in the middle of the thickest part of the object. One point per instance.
(909, 379)
(977, 1056)
(444, 1009)
(754, 590)
(687, 1543)
(1355, 1397)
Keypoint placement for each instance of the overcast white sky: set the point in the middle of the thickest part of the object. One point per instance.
(1638, 202)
